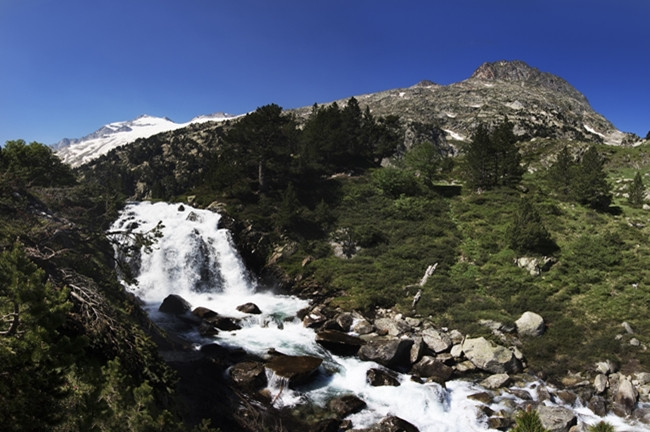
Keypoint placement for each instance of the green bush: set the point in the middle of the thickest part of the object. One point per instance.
(602, 426)
(528, 421)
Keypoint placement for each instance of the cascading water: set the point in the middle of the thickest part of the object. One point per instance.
(196, 259)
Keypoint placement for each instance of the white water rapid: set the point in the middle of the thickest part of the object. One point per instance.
(196, 259)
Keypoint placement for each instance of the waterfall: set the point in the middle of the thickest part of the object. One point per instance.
(194, 258)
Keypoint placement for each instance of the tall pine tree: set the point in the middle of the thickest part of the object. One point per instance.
(590, 186)
(636, 194)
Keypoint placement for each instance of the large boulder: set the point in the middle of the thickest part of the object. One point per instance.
(379, 377)
(249, 375)
(490, 357)
(392, 353)
(345, 405)
(556, 418)
(530, 324)
(435, 370)
(392, 326)
(625, 398)
(174, 304)
(338, 342)
(436, 340)
(249, 308)
(297, 370)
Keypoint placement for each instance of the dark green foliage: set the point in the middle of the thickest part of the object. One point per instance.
(35, 353)
(527, 234)
(590, 186)
(528, 421)
(394, 182)
(425, 162)
(33, 164)
(492, 158)
(562, 173)
(636, 193)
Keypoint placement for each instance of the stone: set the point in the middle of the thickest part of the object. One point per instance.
(345, 321)
(393, 424)
(362, 327)
(327, 425)
(464, 367)
(496, 381)
(635, 342)
(556, 418)
(530, 324)
(436, 340)
(345, 405)
(417, 350)
(379, 377)
(483, 397)
(174, 304)
(392, 353)
(457, 351)
(499, 423)
(456, 337)
(490, 357)
(297, 370)
(249, 308)
(625, 397)
(248, 375)
(598, 405)
(627, 327)
(338, 342)
(600, 383)
(392, 326)
(314, 319)
(223, 323)
(435, 370)
(606, 367)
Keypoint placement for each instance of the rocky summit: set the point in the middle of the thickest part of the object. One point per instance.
(538, 103)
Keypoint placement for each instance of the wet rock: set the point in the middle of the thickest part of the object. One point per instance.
(435, 370)
(436, 340)
(327, 425)
(223, 323)
(568, 397)
(530, 324)
(483, 397)
(557, 419)
(521, 394)
(598, 405)
(248, 375)
(249, 308)
(499, 423)
(625, 398)
(343, 406)
(331, 324)
(496, 381)
(393, 424)
(338, 342)
(417, 350)
(174, 304)
(297, 370)
(314, 319)
(392, 353)
(379, 377)
(345, 321)
(490, 357)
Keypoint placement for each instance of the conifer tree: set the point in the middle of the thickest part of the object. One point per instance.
(562, 172)
(590, 186)
(527, 232)
(636, 193)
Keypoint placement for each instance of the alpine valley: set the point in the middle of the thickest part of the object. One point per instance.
(464, 257)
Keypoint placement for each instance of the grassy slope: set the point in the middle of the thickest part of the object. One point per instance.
(600, 280)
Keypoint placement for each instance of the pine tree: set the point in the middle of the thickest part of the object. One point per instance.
(590, 185)
(527, 232)
(562, 172)
(637, 191)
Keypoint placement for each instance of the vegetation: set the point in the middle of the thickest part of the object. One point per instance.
(602, 426)
(528, 421)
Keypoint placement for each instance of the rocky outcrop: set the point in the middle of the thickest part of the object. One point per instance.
(556, 419)
(392, 352)
(297, 370)
(174, 304)
(339, 342)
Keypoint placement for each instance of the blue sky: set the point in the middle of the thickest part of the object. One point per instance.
(68, 67)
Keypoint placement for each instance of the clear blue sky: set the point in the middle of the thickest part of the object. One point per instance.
(68, 67)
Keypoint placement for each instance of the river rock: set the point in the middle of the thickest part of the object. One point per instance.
(417, 350)
(343, 406)
(598, 405)
(297, 370)
(437, 341)
(223, 323)
(345, 321)
(392, 326)
(556, 418)
(379, 377)
(392, 353)
(606, 367)
(314, 319)
(327, 425)
(362, 327)
(249, 375)
(338, 342)
(249, 308)
(490, 357)
(625, 398)
(393, 424)
(600, 383)
(530, 324)
(496, 381)
(174, 304)
(430, 367)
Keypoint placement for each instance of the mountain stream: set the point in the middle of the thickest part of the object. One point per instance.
(196, 260)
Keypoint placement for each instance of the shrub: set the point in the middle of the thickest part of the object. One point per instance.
(602, 426)
(528, 421)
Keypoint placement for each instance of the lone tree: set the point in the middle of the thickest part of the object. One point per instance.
(493, 158)
(636, 194)
(562, 173)
(527, 232)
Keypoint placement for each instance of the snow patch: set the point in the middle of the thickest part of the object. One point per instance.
(455, 135)
(593, 131)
